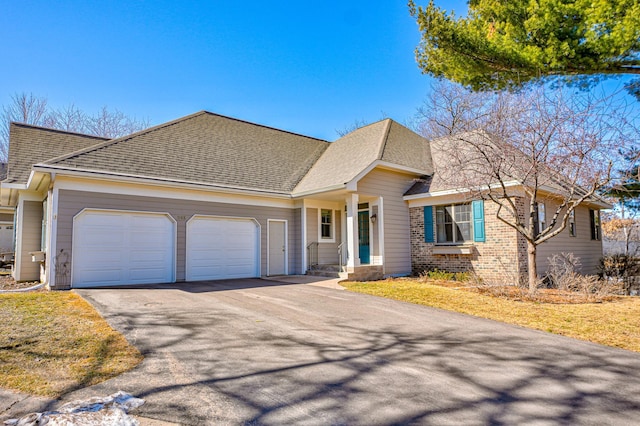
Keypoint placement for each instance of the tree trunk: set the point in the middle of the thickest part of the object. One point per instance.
(533, 276)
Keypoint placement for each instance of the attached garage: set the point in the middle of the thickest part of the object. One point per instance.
(222, 248)
(122, 248)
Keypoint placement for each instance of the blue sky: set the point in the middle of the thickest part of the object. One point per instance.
(310, 67)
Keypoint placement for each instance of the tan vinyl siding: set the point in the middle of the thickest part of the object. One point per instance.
(391, 186)
(6, 217)
(72, 202)
(31, 214)
(589, 251)
(327, 252)
(375, 235)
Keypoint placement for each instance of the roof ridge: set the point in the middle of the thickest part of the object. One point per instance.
(111, 142)
(51, 129)
(263, 126)
(385, 138)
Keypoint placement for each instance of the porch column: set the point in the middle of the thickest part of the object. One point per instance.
(352, 231)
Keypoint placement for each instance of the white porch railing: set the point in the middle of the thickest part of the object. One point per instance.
(342, 254)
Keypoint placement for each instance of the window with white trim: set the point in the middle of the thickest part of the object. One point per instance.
(454, 224)
(594, 216)
(572, 223)
(326, 224)
(542, 217)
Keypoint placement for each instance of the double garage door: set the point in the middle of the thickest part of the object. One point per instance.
(128, 248)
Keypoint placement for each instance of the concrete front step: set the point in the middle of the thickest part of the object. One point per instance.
(323, 273)
(326, 267)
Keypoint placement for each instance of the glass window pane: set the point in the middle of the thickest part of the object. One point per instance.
(325, 223)
(464, 232)
(439, 215)
(442, 235)
(445, 233)
(462, 213)
(448, 214)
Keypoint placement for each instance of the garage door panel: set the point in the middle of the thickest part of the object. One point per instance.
(152, 256)
(148, 239)
(106, 220)
(100, 237)
(143, 275)
(219, 248)
(99, 276)
(119, 248)
(111, 257)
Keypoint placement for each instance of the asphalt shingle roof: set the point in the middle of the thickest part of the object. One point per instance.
(206, 148)
(214, 150)
(31, 144)
(384, 140)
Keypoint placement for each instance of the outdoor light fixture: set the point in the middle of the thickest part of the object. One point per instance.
(373, 218)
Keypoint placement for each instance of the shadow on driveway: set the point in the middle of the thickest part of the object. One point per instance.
(267, 353)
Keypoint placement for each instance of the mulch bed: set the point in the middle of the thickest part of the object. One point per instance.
(8, 283)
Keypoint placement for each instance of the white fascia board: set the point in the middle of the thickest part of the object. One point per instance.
(318, 191)
(592, 201)
(437, 197)
(6, 192)
(95, 174)
(322, 204)
(352, 185)
(137, 188)
(13, 185)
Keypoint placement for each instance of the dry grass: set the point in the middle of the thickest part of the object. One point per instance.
(613, 323)
(54, 342)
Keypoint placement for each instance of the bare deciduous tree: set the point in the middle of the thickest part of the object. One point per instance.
(31, 109)
(357, 124)
(528, 146)
(625, 230)
(23, 108)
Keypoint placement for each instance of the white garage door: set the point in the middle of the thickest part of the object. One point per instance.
(221, 248)
(120, 248)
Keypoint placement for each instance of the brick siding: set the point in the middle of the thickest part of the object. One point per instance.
(502, 258)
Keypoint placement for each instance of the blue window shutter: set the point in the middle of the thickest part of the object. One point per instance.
(478, 221)
(428, 224)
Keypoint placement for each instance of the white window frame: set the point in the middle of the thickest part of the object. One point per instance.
(455, 242)
(596, 225)
(542, 217)
(322, 239)
(572, 224)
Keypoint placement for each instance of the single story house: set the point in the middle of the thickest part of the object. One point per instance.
(210, 197)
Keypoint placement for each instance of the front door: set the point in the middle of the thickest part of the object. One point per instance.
(277, 247)
(363, 237)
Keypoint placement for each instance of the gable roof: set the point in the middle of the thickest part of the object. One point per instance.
(32, 144)
(459, 165)
(213, 150)
(347, 157)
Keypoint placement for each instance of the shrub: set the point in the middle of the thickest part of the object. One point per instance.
(437, 274)
(562, 274)
(562, 270)
(620, 268)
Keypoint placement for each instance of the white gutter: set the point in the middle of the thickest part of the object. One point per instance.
(351, 185)
(319, 191)
(157, 181)
(13, 185)
(459, 191)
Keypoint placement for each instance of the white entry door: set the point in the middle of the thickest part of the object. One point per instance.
(222, 248)
(121, 248)
(277, 249)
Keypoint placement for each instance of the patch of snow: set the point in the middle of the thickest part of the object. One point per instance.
(111, 410)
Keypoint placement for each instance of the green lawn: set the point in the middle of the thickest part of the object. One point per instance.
(55, 342)
(613, 323)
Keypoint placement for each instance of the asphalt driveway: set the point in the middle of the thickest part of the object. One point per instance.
(261, 352)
